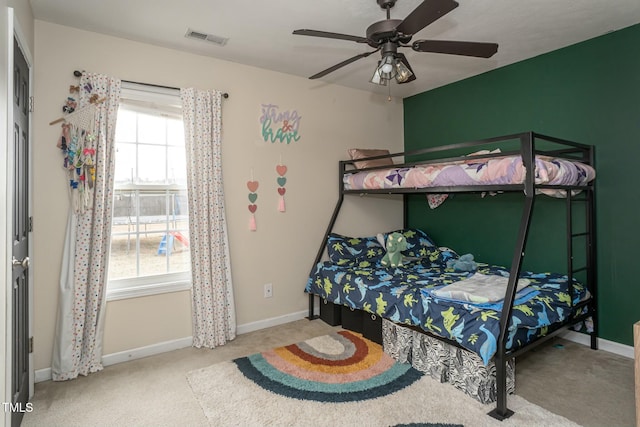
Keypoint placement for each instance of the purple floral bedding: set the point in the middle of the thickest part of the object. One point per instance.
(475, 171)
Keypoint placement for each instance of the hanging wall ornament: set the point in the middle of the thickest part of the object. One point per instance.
(78, 144)
(282, 180)
(253, 197)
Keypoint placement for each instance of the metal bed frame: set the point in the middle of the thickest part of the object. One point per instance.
(527, 150)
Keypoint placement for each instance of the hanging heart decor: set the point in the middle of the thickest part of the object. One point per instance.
(282, 180)
(253, 196)
(252, 186)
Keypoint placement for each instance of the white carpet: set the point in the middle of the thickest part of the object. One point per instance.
(228, 398)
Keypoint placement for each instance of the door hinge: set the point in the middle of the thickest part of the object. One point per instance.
(31, 102)
(30, 224)
(30, 344)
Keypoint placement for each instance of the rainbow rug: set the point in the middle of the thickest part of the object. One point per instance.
(341, 379)
(342, 367)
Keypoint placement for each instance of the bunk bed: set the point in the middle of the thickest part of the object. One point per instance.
(412, 294)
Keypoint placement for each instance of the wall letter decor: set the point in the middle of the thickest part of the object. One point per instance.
(279, 126)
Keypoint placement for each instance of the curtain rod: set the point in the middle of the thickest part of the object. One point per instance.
(79, 73)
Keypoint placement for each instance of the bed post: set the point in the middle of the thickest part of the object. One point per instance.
(592, 277)
(501, 358)
(590, 248)
(405, 210)
(332, 222)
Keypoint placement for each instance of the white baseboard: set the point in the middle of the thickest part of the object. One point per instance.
(125, 356)
(606, 345)
(268, 323)
(150, 350)
(42, 375)
(163, 347)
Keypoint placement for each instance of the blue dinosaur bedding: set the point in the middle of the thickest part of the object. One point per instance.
(404, 295)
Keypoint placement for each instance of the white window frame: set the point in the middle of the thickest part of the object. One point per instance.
(152, 99)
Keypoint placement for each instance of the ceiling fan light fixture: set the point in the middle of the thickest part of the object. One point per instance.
(378, 78)
(403, 73)
(387, 66)
(385, 70)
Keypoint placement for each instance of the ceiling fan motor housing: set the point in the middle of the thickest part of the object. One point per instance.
(383, 31)
(389, 48)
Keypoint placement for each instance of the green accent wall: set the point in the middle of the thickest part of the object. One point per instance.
(588, 93)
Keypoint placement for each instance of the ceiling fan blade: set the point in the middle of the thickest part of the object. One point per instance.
(426, 13)
(480, 50)
(406, 64)
(342, 64)
(328, 35)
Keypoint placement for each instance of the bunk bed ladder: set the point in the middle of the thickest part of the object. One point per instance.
(589, 250)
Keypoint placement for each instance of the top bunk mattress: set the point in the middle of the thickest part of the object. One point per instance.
(475, 171)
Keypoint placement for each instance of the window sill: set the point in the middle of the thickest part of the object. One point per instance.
(147, 290)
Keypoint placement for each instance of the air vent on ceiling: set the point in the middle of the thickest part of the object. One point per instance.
(220, 41)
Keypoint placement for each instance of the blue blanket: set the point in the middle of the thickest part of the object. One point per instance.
(403, 295)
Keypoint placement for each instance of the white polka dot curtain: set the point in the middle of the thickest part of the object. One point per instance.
(81, 307)
(213, 311)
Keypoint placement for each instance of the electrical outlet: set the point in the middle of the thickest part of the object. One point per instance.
(268, 290)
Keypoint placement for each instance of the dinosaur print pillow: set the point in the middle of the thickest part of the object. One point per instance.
(368, 251)
(361, 251)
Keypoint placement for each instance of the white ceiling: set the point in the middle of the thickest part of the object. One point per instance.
(259, 31)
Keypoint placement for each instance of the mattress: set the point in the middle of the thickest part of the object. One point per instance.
(405, 295)
(476, 171)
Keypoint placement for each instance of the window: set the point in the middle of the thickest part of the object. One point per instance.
(150, 229)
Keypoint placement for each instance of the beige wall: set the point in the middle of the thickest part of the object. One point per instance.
(24, 15)
(282, 250)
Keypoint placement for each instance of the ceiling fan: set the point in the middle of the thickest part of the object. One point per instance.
(388, 35)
